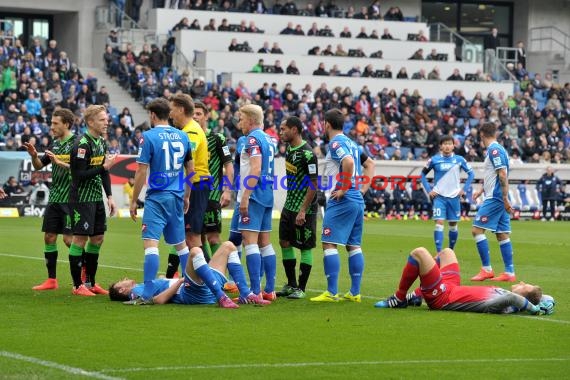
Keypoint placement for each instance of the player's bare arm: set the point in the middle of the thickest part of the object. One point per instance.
(368, 173)
(36, 162)
(55, 160)
(227, 193)
(504, 182)
(189, 166)
(253, 178)
(140, 177)
(165, 296)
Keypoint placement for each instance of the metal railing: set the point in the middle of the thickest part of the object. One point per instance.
(467, 51)
(550, 38)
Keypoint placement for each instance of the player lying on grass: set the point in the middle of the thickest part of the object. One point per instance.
(202, 283)
(441, 289)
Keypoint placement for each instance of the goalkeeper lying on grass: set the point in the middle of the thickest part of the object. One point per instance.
(440, 287)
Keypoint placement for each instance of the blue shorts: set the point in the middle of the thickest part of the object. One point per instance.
(235, 219)
(164, 215)
(445, 208)
(342, 223)
(492, 216)
(194, 218)
(192, 293)
(258, 219)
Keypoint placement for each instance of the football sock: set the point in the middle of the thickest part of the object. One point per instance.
(507, 253)
(203, 270)
(50, 254)
(237, 273)
(75, 263)
(305, 267)
(331, 262)
(183, 257)
(236, 238)
(270, 266)
(173, 263)
(409, 274)
(483, 249)
(207, 249)
(151, 264)
(91, 261)
(214, 247)
(438, 237)
(355, 268)
(289, 264)
(253, 262)
(453, 234)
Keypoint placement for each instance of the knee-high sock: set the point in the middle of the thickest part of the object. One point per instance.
(483, 249)
(203, 270)
(50, 254)
(438, 237)
(236, 271)
(183, 257)
(453, 234)
(507, 253)
(331, 262)
(91, 261)
(75, 264)
(289, 264)
(253, 262)
(270, 266)
(305, 267)
(409, 274)
(151, 264)
(355, 268)
(173, 263)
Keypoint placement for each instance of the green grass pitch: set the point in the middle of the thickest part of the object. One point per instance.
(53, 335)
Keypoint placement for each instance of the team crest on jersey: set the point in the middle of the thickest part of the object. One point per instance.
(327, 231)
(81, 153)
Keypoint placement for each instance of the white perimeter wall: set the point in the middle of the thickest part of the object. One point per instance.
(163, 20)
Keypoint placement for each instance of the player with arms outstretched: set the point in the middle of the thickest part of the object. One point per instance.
(56, 218)
(298, 224)
(90, 175)
(446, 191)
(256, 200)
(495, 212)
(344, 214)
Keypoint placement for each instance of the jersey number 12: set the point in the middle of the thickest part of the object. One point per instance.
(178, 153)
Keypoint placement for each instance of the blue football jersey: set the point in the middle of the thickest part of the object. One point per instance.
(341, 147)
(446, 177)
(496, 158)
(159, 285)
(258, 144)
(165, 150)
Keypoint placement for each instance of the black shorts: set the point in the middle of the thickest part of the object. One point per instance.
(57, 219)
(213, 217)
(88, 218)
(301, 237)
(194, 218)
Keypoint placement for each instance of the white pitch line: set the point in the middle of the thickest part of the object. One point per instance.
(61, 367)
(329, 364)
(311, 290)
